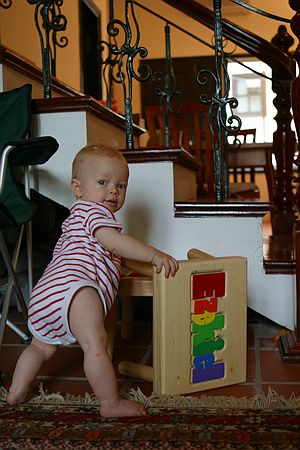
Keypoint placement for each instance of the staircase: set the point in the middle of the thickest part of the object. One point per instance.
(162, 207)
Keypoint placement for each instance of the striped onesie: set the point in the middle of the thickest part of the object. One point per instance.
(78, 260)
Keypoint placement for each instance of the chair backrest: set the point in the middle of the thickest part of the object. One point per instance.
(15, 118)
(246, 136)
(189, 129)
(243, 136)
(247, 160)
(156, 128)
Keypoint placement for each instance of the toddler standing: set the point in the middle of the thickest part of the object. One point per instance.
(70, 301)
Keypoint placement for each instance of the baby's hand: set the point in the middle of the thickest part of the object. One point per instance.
(161, 259)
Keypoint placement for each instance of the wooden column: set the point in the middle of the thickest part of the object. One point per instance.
(289, 344)
(284, 142)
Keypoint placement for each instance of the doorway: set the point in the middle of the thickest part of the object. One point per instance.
(90, 19)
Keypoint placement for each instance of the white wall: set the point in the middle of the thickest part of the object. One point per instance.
(148, 214)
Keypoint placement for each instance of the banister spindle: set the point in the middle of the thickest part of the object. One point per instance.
(49, 21)
(109, 63)
(219, 122)
(124, 57)
(167, 92)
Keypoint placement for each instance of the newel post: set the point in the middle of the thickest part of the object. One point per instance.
(284, 142)
(295, 88)
(289, 344)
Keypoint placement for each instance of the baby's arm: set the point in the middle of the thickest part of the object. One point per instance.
(131, 248)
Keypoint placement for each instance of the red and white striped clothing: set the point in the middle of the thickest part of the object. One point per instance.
(78, 260)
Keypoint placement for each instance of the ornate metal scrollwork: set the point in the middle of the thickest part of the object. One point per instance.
(110, 62)
(5, 3)
(220, 122)
(127, 52)
(167, 92)
(49, 21)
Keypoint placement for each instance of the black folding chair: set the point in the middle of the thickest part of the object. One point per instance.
(16, 207)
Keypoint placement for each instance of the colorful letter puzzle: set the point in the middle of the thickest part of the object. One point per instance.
(200, 326)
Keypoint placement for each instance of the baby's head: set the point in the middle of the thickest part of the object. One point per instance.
(100, 174)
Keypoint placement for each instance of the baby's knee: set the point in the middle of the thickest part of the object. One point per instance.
(46, 350)
(96, 343)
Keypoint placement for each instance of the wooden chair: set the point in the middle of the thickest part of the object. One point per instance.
(246, 136)
(189, 129)
(135, 282)
(245, 161)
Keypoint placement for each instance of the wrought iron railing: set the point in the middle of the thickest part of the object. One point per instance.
(218, 103)
(122, 59)
(281, 78)
(120, 66)
(221, 117)
(49, 21)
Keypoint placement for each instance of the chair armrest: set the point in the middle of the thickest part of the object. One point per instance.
(32, 151)
(26, 152)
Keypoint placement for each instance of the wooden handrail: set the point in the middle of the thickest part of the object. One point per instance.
(23, 65)
(252, 43)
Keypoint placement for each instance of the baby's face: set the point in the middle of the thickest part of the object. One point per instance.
(103, 180)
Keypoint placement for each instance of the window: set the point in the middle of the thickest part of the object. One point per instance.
(250, 92)
(90, 37)
(255, 96)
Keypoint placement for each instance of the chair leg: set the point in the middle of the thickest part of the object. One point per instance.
(110, 326)
(29, 257)
(25, 337)
(28, 234)
(127, 317)
(135, 370)
(12, 282)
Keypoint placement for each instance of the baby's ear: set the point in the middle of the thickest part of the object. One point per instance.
(76, 187)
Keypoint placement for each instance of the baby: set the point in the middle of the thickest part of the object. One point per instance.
(72, 298)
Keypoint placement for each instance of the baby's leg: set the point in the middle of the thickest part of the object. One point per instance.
(28, 366)
(86, 319)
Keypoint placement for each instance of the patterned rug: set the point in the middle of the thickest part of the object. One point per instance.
(74, 423)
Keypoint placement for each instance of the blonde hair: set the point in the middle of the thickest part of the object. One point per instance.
(94, 150)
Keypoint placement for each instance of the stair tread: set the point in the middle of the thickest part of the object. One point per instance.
(278, 254)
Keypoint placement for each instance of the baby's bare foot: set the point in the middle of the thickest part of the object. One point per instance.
(122, 408)
(15, 397)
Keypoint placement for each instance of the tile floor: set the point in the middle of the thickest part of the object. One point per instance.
(64, 372)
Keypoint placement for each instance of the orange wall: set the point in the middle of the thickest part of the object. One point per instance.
(18, 33)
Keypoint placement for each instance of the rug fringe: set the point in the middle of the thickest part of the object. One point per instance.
(271, 400)
(56, 398)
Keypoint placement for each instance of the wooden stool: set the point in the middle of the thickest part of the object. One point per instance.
(137, 283)
(131, 286)
(199, 326)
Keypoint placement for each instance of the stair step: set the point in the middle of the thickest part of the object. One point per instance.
(279, 257)
(277, 250)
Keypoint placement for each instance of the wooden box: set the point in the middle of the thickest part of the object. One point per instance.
(200, 326)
